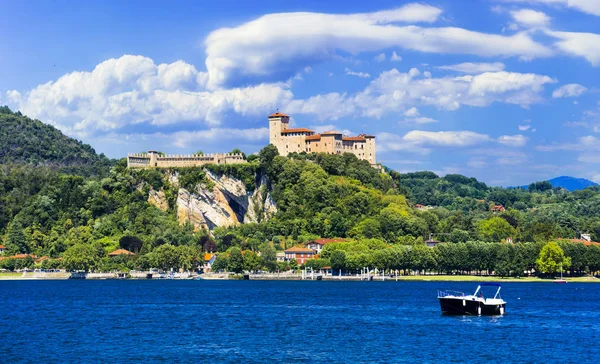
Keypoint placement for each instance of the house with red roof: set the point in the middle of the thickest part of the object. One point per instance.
(299, 254)
(497, 208)
(318, 244)
(120, 252)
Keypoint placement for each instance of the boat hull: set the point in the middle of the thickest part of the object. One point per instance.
(458, 306)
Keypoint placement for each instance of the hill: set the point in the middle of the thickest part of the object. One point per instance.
(571, 183)
(32, 142)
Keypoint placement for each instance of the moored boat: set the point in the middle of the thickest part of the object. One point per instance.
(458, 303)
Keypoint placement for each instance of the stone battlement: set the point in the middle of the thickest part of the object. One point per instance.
(154, 160)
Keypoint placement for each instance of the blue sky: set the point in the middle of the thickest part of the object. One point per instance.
(503, 90)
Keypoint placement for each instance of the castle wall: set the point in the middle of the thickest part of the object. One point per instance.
(149, 160)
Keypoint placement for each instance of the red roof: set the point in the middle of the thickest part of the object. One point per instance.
(297, 249)
(23, 256)
(2, 247)
(498, 208)
(297, 130)
(331, 132)
(278, 114)
(313, 137)
(354, 139)
(587, 243)
(120, 252)
(326, 241)
(366, 136)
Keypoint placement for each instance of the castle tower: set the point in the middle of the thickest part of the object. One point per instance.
(278, 122)
(153, 158)
(370, 148)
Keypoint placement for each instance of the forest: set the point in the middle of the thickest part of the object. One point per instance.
(61, 201)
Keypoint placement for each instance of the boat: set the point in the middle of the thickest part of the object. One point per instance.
(458, 303)
(561, 280)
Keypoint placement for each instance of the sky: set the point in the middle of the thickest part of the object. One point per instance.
(507, 91)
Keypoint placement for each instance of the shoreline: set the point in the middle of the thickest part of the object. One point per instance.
(297, 277)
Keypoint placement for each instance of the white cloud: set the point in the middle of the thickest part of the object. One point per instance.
(185, 139)
(474, 68)
(586, 6)
(586, 45)
(412, 112)
(418, 120)
(513, 140)
(589, 158)
(395, 57)
(530, 18)
(276, 46)
(570, 90)
(394, 91)
(380, 57)
(524, 127)
(420, 141)
(357, 74)
(584, 144)
(132, 90)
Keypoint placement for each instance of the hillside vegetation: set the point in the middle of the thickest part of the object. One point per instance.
(57, 212)
(31, 142)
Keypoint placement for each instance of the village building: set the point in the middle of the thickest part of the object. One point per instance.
(497, 208)
(154, 159)
(209, 259)
(300, 255)
(318, 244)
(120, 252)
(297, 140)
(2, 249)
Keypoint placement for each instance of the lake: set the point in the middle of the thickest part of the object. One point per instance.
(300, 321)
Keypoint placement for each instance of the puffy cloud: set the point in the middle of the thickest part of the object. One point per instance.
(394, 91)
(570, 90)
(524, 127)
(530, 18)
(395, 57)
(586, 45)
(357, 74)
(474, 68)
(276, 46)
(132, 90)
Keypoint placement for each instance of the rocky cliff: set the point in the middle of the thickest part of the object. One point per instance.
(223, 202)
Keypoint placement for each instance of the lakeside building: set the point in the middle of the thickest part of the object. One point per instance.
(297, 140)
(120, 252)
(153, 159)
(2, 249)
(300, 255)
(318, 244)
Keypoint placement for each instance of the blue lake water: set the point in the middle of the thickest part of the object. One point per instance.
(261, 321)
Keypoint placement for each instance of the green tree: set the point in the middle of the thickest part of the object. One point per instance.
(338, 259)
(252, 262)
(80, 257)
(15, 238)
(235, 263)
(220, 263)
(269, 256)
(495, 229)
(550, 259)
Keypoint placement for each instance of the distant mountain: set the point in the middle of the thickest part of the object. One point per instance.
(571, 183)
(32, 142)
(566, 182)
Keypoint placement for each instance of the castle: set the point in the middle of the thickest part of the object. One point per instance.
(298, 140)
(287, 140)
(154, 159)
